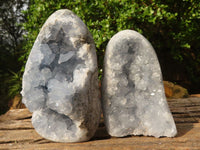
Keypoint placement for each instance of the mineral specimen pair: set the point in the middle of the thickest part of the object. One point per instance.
(60, 84)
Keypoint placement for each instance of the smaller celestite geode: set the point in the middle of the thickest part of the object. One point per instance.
(60, 82)
(133, 100)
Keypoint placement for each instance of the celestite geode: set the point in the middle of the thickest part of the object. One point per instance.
(60, 82)
(133, 96)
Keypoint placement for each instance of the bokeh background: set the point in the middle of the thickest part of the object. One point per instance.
(171, 26)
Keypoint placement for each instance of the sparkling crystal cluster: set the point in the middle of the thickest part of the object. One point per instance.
(134, 102)
(60, 83)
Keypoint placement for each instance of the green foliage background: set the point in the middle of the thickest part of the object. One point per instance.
(171, 26)
(11, 42)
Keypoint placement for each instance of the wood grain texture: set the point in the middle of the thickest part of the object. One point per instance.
(17, 132)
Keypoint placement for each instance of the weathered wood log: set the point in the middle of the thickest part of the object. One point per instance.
(16, 132)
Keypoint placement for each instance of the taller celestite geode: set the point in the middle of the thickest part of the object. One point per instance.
(133, 100)
(60, 82)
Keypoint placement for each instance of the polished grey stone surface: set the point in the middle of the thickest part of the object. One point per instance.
(133, 96)
(60, 82)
